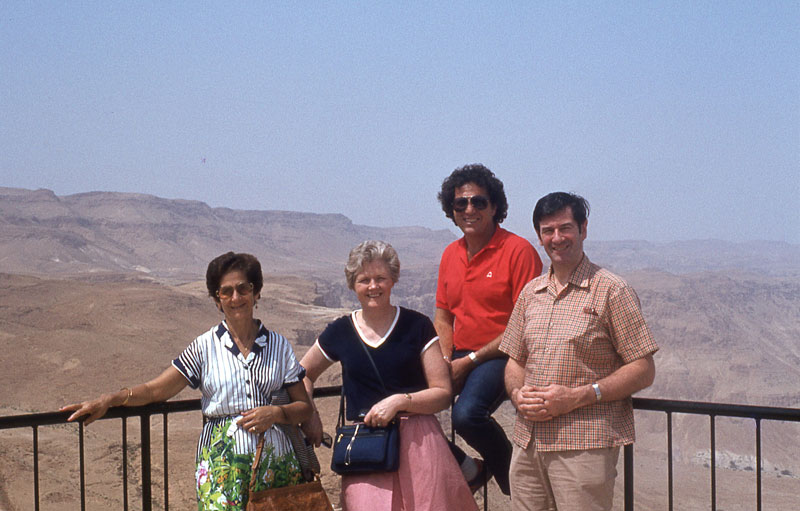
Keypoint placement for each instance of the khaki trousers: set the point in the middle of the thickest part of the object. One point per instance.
(563, 480)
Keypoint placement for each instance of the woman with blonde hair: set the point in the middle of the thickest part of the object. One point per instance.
(413, 384)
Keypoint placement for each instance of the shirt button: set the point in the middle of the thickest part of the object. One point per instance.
(247, 381)
(248, 394)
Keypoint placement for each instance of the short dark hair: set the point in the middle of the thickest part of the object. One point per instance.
(554, 202)
(479, 175)
(230, 261)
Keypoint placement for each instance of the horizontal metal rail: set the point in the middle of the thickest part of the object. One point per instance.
(711, 410)
(669, 407)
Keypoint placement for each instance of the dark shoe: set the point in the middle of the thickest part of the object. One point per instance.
(483, 476)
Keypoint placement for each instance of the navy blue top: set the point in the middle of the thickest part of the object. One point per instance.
(398, 358)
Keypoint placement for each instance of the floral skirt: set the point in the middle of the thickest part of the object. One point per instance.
(223, 475)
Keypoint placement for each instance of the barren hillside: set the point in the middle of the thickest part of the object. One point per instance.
(99, 291)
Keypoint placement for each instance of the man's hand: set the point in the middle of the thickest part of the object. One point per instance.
(529, 405)
(459, 370)
(546, 403)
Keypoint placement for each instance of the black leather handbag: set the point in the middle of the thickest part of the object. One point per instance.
(359, 448)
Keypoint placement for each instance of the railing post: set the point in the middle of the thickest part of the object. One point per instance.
(147, 504)
(713, 463)
(166, 464)
(758, 464)
(36, 467)
(670, 482)
(628, 467)
(125, 464)
(82, 463)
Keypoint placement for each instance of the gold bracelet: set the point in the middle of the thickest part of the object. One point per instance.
(130, 393)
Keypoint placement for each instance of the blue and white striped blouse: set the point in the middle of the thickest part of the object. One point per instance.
(232, 384)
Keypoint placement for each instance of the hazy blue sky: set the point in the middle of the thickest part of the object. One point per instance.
(677, 120)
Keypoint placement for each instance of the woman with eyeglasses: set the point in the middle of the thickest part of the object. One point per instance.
(238, 365)
(409, 382)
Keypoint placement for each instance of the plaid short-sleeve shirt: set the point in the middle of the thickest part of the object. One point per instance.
(586, 332)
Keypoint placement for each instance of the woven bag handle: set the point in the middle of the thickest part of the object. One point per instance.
(256, 461)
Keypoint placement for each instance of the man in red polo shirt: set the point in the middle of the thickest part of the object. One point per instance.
(480, 277)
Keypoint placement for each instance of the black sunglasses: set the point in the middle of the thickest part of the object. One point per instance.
(479, 202)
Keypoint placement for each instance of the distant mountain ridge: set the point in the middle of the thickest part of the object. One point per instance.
(690, 256)
(44, 234)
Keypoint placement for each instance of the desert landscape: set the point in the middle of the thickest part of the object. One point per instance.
(102, 290)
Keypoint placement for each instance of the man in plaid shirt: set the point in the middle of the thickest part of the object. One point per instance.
(578, 348)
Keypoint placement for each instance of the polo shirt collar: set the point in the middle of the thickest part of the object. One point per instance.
(494, 241)
(262, 337)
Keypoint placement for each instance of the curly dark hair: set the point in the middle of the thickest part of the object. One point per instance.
(230, 261)
(481, 176)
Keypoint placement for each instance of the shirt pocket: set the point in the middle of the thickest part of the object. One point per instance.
(590, 344)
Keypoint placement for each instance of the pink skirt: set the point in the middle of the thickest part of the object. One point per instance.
(428, 478)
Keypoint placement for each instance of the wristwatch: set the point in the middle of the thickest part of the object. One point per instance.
(472, 356)
(597, 393)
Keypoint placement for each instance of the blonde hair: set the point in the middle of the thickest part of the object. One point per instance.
(366, 252)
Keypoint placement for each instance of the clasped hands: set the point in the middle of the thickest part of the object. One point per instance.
(541, 404)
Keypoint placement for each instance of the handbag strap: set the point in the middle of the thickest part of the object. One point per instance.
(257, 458)
(363, 345)
(256, 461)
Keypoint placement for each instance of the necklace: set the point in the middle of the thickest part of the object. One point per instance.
(245, 351)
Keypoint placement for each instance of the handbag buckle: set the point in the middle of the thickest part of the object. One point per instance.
(350, 445)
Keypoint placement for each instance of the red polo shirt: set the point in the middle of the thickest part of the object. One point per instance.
(481, 293)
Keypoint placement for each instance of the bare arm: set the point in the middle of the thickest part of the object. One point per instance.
(490, 350)
(443, 321)
(431, 400)
(625, 381)
(315, 363)
(514, 378)
(161, 388)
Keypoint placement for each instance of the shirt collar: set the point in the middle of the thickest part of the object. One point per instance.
(262, 337)
(494, 241)
(581, 275)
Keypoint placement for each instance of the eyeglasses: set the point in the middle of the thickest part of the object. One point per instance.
(327, 440)
(243, 288)
(479, 202)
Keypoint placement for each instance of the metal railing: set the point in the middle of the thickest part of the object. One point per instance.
(144, 413)
(712, 411)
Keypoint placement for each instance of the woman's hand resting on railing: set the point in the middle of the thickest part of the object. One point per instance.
(94, 409)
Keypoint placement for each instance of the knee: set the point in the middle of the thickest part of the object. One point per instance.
(464, 416)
